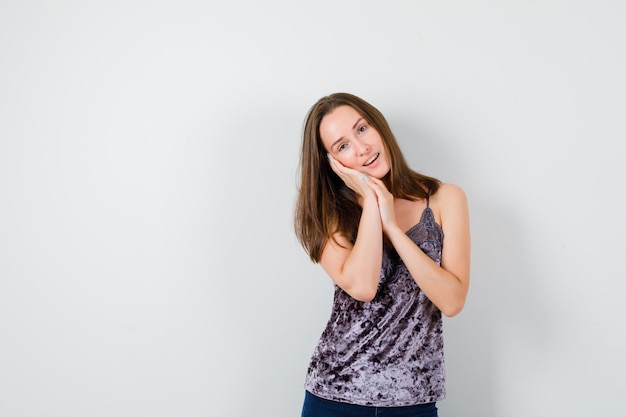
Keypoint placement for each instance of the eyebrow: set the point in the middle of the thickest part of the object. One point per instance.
(341, 138)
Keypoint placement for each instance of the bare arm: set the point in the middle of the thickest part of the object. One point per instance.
(446, 285)
(356, 268)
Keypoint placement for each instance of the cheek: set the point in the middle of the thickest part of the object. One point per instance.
(347, 160)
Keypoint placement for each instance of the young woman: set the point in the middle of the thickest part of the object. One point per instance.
(377, 228)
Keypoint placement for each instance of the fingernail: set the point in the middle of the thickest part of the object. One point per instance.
(330, 158)
(366, 178)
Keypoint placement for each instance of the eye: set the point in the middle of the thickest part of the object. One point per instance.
(362, 128)
(342, 146)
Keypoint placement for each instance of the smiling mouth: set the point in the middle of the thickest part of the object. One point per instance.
(371, 160)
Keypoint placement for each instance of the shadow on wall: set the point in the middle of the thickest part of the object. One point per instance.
(503, 313)
(503, 309)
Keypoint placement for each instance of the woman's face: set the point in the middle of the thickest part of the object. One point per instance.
(350, 139)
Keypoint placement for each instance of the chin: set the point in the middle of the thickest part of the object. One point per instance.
(380, 174)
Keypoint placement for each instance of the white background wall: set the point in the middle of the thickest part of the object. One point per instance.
(148, 154)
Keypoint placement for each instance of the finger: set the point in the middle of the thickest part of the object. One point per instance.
(379, 182)
(335, 165)
(331, 160)
(384, 197)
(374, 184)
(380, 187)
(347, 174)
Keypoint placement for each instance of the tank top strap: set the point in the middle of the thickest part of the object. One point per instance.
(428, 200)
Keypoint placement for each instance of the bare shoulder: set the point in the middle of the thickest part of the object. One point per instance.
(449, 193)
(449, 201)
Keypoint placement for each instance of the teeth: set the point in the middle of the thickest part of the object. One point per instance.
(372, 159)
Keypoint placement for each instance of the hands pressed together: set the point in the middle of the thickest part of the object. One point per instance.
(356, 268)
(367, 188)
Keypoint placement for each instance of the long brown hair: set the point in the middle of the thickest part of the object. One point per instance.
(325, 204)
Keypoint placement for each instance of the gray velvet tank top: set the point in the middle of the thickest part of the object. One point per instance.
(388, 351)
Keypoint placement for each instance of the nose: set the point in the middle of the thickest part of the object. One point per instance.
(361, 148)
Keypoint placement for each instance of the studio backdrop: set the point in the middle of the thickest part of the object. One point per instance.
(148, 174)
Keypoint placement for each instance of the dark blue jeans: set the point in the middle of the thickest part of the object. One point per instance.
(319, 407)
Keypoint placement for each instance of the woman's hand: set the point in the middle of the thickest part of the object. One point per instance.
(355, 180)
(385, 203)
(355, 265)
